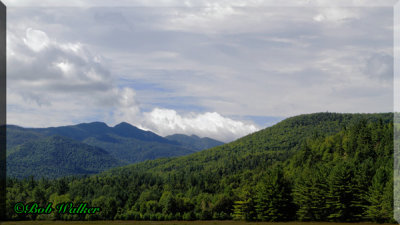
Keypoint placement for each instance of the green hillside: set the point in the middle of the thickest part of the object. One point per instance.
(263, 148)
(318, 167)
(194, 141)
(57, 156)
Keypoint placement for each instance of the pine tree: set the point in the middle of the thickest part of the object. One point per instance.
(310, 194)
(380, 196)
(273, 200)
(342, 198)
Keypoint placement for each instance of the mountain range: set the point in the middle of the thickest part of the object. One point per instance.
(53, 151)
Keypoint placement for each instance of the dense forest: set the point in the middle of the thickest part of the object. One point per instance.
(317, 167)
(58, 156)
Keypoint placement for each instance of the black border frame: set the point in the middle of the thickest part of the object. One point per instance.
(3, 144)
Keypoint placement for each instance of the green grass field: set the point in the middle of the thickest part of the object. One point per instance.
(172, 223)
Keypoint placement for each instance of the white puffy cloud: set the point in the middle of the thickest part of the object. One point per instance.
(167, 121)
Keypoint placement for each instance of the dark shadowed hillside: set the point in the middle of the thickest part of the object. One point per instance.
(58, 156)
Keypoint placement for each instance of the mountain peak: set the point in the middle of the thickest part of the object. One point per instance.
(124, 124)
(125, 129)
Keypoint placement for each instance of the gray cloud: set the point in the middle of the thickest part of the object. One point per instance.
(379, 66)
(46, 66)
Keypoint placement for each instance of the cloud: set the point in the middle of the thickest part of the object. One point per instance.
(167, 121)
(379, 66)
(128, 109)
(47, 78)
(36, 40)
(336, 15)
(59, 83)
(38, 65)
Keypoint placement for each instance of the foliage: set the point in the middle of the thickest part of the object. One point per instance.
(57, 156)
(318, 167)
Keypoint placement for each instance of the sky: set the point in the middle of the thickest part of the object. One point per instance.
(219, 69)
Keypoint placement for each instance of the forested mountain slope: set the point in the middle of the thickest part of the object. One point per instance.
(319, 167)
(262, 148)
(58, 156)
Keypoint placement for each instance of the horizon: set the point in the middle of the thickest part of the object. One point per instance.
(112, 126)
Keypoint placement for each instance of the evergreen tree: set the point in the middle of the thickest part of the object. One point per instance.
(380, 196)
(342, 197)
(273, 200)
(310, 194)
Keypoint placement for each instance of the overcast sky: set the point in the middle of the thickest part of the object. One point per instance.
(214, 70)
